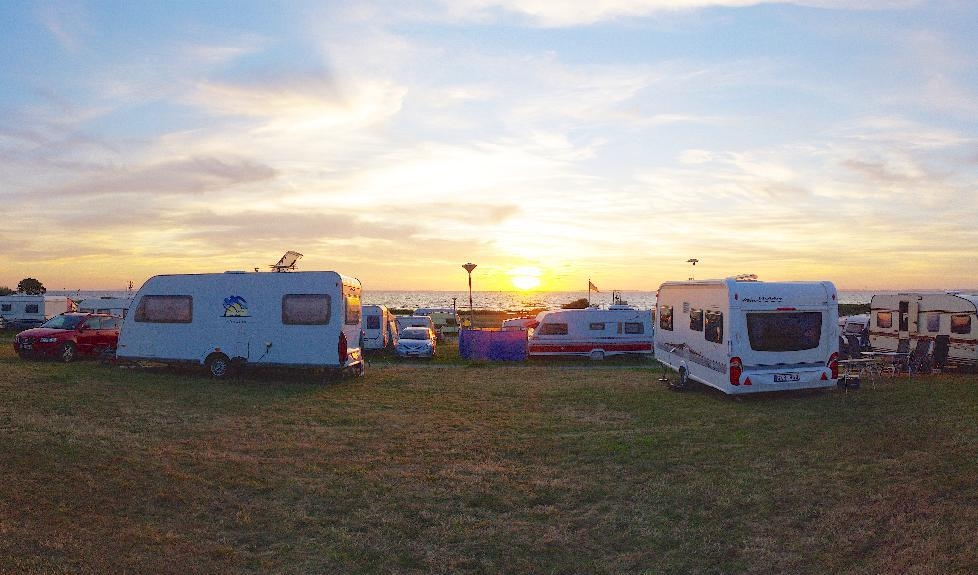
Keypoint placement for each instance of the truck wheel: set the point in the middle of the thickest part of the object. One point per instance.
(68, 353)
(218, 365)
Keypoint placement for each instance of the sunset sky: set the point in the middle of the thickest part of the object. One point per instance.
(549, 141)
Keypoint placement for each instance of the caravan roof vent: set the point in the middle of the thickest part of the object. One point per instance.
(286, 262)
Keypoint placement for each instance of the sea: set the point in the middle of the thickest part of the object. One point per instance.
(513, 301)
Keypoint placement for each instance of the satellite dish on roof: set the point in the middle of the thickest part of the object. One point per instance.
(287, 262)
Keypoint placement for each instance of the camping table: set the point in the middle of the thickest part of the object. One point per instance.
(868, 368)
(880, 356)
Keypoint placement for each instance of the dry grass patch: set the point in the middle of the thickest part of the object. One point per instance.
(478, 469)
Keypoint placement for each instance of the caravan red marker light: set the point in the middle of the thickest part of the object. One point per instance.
(736, 368)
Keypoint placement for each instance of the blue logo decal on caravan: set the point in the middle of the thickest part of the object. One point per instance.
(235, 306)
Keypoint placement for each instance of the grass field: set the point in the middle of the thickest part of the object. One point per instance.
(538, 468)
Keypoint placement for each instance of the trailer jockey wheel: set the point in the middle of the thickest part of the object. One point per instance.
(682, 383)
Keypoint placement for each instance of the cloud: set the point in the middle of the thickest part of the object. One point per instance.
(563, 13)
(179, 177)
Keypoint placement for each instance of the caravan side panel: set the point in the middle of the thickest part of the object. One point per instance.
(302, 319)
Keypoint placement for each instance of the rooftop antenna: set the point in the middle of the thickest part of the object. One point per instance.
(287, 262)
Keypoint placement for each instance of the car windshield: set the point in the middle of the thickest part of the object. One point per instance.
(64, 322)
(415, 334)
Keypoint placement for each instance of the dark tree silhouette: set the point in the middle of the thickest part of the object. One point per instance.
(31, 286)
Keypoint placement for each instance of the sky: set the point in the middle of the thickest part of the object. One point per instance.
(550, 142)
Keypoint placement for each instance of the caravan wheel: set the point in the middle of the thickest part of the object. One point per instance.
(218, 365)
(597, 355)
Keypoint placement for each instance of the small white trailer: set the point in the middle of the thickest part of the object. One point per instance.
(947, 320)
(224, 320)
(592, 332)
(741, 335)
(117, 306)
(379, 327)
(24, 311)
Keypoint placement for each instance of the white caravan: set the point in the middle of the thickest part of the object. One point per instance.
(592, 332)
(379, 328)
(297, 319)
(24, 311)
(117, 306)
(898, 322)
(741, 335)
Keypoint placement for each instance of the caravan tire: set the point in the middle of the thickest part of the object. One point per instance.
(218, 365)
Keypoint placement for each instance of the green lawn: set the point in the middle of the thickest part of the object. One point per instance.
(536, 468)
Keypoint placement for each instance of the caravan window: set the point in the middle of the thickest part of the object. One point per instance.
(7, 307)
(597, 327)
(665, 317)
(32, 308)
(165, 309)
(794, 331)
(634, 327)
(884, 319)
(714, 327)
(552, 329)
(696, 319)
(371, 322)
(961, 323)
(933, 322)
(305, 309)
(353, 309)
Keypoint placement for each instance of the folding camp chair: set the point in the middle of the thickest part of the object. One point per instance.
(920, 360)
(942, 345)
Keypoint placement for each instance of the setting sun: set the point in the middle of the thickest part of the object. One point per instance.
(525, 278)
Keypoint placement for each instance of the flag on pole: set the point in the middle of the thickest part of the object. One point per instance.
(591, 287)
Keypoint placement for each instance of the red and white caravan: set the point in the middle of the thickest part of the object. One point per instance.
(906, 322)
(592, 332)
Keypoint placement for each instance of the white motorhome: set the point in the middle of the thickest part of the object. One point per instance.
(741, 335)
(379, 327)
(23, 311)
(296, 319)
(898, 322)
(117, 306)
(446, 319)
(592, 332)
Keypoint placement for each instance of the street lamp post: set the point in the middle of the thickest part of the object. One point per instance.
(469, 267)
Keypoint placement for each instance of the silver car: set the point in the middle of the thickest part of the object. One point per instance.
(415, 342)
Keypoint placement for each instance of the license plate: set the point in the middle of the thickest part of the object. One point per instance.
(785, 377)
